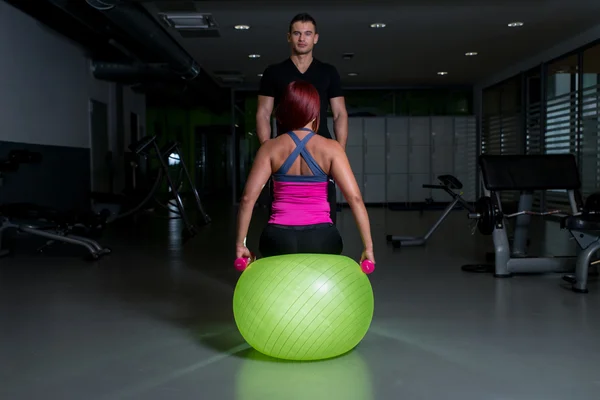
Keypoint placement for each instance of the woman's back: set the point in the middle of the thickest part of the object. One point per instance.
(300, 164)
(320, 149)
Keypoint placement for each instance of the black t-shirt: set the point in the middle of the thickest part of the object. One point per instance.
(324, 77)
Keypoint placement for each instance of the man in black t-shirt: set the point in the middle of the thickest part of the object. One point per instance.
(301, 65)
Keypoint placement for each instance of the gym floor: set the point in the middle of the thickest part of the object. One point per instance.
(154, 321)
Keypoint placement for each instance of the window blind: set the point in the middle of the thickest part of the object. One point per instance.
(491, 138)
(502, 132)
(501, 135)
(534, 141)
(533, 134)
(560, 137)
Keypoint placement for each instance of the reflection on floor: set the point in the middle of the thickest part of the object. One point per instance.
(154, 321)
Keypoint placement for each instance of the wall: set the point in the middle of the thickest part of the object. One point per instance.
(45, 89)
(45, 84)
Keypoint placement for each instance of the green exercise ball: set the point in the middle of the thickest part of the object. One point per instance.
(303, 306)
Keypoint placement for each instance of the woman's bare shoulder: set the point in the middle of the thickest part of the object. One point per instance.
(331, 146)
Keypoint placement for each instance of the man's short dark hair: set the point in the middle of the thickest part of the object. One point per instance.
(303, 17)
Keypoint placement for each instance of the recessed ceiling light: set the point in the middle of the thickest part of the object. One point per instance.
(378, 25)
(442, 73)
(242, 27)
(352, 74)
(254, 55)
(515, 24)
(471, 53)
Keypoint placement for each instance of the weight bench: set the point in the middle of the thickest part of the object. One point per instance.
(52, 225)
(449, 184)
(526, 174)
(46, 222)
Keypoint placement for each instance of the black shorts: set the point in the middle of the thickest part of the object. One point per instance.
(316, 239)
(331, 197)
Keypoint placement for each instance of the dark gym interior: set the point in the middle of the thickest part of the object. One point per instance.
(127, 132)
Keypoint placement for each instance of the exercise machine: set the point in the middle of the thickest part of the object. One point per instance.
(449, 184)
(527, 174)
(46, 222)
(171, 169)
(585, 229)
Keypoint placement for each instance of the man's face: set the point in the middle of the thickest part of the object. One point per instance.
(302, 38)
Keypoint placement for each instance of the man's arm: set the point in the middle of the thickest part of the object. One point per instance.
(340, 120)
(338, 108)
(266, 99)
(263, 118)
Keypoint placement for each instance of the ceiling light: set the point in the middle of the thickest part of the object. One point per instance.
(471, 53)
(254, 55)
(378, 25)
(242, 27)
(260, 74)
(515, 24)
(352, 74)
(442, 73)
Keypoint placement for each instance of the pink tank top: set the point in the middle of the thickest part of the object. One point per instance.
(300, 199)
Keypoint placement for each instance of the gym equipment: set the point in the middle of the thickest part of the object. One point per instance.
(51, 224)
(585, 229)
(488, 215)
(149, 149)
(303, 306)
(526, 174)
(242, 263)
(367, 266)
(449, 184)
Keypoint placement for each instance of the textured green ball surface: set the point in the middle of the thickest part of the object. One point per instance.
(303, 306)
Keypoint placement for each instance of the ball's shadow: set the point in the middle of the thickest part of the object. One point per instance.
(226, 339)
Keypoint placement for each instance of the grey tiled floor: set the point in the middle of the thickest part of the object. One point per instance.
(154, 321)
